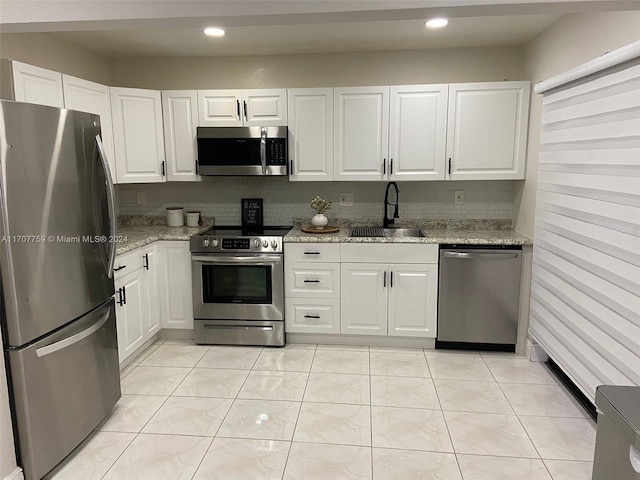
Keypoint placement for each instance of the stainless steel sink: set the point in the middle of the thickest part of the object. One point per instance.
(387, 232)
(403, 232)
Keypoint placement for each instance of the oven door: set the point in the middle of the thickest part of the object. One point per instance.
(236, 286)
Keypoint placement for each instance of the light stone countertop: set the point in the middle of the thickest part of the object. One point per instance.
(474, 232)
(141, 231)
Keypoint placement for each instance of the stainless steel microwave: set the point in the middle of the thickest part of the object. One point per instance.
(260, 151)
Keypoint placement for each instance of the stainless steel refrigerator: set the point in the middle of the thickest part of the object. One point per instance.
(58, 313)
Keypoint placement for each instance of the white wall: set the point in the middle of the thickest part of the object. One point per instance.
(574, 40)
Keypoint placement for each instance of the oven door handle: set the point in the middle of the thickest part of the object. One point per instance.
(254, 260)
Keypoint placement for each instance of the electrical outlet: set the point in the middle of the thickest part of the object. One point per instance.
(140, 198)
(346, 199)
(459, 197)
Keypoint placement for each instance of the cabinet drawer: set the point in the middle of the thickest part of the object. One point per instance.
(312, 280)
(389, 252)
(306, 315)
(312, 252)
(127, 263)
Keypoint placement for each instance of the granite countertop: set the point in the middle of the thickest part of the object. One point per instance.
(469, 232)
(141, 231)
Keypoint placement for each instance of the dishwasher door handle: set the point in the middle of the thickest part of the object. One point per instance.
(464, 255)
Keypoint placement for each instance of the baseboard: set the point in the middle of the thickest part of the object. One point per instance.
(176, 333)
(534, 352)
(361, 340)
(15, 475)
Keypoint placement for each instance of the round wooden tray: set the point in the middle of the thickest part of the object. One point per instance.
(327, 229)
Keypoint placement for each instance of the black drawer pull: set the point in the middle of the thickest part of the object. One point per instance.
(312, 253)
(312, 281)
(312, 316)
(119, 268)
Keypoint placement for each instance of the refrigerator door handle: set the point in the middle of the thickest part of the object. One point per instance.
(111, 198)
(67, 342)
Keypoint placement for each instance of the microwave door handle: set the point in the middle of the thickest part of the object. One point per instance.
(263, 149)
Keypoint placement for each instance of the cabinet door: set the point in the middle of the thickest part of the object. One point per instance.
(130, 315)
(264, 108)
(37, 85)
(417, 132)
(364, 298)
(413, 298)
(180, 115)
(150, 294)
(137, 135)
(220, 108)
(487, 130)
(361, 133)
(310, 112)
(94, 98)
(175, 285)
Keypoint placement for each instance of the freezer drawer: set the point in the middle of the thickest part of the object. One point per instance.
(479, 295)
(63, 386)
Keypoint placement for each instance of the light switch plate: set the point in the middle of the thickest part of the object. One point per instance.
(459, 197)
(346, 199)
(140, 198)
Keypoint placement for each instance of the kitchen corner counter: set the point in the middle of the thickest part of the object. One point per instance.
(464, 236)
(140, 234)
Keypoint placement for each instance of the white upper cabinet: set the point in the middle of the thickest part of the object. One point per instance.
(37, 85)
(417, 132)
(487, 130)
(237, 108)
(310, 113)
(92, 97)
(137, 134)
(361, 136)
(180, 115)
(220, 108)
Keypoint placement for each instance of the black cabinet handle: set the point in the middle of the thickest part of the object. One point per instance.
(238, 102)
(120, 301)
(384, 166)
(384, 280)
(449, 166)
(291, 161)
(312, 281)
(312, 316)
(145, 261)
(391, 167)
(121, 267)
(312, 253)
(245, 111)
(162, 166)
(124, 295)
(197, 167)
(391, 280)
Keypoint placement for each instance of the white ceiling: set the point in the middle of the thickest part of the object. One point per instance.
(141, 28)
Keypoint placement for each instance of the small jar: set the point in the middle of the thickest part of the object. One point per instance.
(175, 216)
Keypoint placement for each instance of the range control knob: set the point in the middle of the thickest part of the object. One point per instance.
(205, 243)
(214, 243)
(265, 244)
(256, 243)
(274, 244)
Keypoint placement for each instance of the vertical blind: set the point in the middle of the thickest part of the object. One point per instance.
(585, 292)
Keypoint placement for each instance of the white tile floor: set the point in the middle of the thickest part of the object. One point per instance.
(305, 412)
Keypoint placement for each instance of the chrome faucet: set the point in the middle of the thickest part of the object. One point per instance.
(386, 221)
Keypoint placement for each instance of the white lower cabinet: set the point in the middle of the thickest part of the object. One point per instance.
(176, 304)
(150, 292)
(394, 299)
(130, 310)
(312, 288)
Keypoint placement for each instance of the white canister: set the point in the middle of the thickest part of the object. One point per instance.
(175, 216)
(193, 219)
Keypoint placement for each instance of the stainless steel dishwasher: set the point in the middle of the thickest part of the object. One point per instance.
(479, 296)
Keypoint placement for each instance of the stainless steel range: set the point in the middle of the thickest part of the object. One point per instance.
(238, 286)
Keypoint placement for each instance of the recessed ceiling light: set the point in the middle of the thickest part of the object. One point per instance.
(436, 22)
(214, 32)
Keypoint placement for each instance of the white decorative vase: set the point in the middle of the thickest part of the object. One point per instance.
(319, 221)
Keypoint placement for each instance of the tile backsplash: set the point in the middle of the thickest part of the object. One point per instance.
(220, 197)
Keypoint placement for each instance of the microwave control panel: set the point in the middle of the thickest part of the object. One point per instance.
(277, 151)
